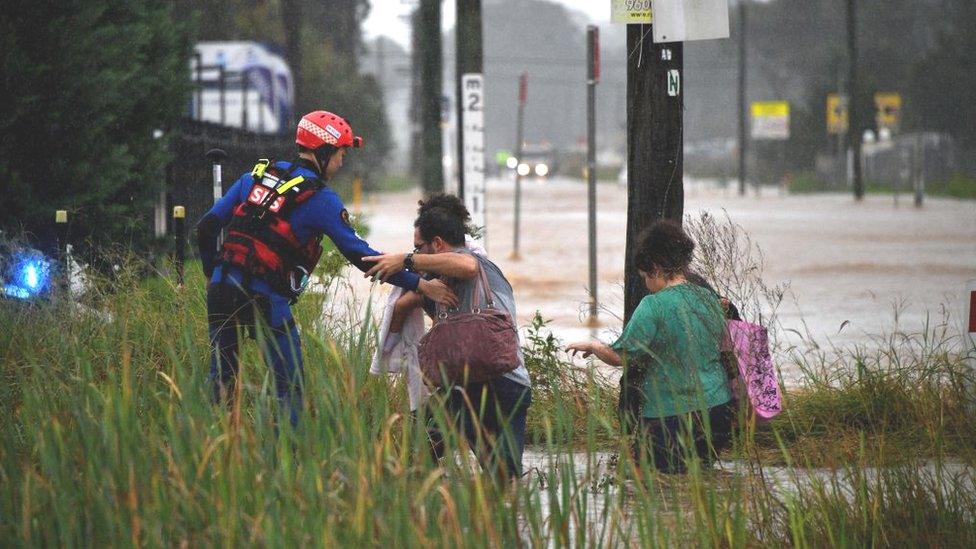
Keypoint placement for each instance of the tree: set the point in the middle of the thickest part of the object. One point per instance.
(89, 95)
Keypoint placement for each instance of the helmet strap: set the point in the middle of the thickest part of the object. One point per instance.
(323, 155)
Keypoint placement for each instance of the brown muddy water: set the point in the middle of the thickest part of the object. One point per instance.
(854, 269)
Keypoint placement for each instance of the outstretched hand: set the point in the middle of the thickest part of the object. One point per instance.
(583, 348)
(386, 265)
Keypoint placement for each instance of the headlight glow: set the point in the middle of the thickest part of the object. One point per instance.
(523, 169)
(541, 170)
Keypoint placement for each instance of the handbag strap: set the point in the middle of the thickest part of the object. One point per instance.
(489, 296)
(481, 292)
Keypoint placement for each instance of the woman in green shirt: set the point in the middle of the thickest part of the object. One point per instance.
(676, 332)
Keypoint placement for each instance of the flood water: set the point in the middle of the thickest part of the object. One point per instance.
(592, 471)
(847, 264)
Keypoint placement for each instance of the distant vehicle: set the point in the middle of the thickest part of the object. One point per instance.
(25, 273)
(537, 161)
(258, 89)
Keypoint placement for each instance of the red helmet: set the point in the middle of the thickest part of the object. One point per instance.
(319, 128)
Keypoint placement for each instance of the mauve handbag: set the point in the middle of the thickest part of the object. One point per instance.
(470, 347)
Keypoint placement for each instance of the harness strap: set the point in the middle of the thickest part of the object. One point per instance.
(283, 188)
(259, 168)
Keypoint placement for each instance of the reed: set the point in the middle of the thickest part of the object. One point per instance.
(109, 438)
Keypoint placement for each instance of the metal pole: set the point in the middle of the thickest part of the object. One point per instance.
(199, 94)
(743, 136)
(918, 171)
(852, 101)
(593, 76)
(222, 87)
(244, 85)
(61, 233)
(216, 156)
(519, 128)
(179, 234)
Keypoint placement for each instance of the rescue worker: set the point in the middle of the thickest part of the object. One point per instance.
(275, 218)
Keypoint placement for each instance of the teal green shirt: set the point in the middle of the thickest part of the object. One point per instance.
(680, 329)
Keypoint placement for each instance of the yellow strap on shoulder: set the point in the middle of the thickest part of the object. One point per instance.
(259, 168)
(284, 187)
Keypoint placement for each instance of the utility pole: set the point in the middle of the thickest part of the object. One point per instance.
(654, 143)
(431, 85)
(519, 139)
(381, 63)
(416, 152)
(853, 110)
(469, 59)
(743, 106)
(592, 77)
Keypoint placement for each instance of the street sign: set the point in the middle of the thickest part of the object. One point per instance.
(686, 20)
(836, 114)
(472, 128)
(630, 11)
(888, 105)
(770, 120)
(674, 83)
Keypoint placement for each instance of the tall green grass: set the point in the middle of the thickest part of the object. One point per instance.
(108, 438)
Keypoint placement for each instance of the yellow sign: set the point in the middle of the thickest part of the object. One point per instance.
(770, 120)
(836, 114)
(888, 107)
(630, 11)
(770, 109)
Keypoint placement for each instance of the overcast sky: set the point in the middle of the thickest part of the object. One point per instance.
(389, 17)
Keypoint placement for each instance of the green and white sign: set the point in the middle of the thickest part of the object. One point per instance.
(630, 11)
(674, 83)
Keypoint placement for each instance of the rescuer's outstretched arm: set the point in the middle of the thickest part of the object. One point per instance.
(335, 224)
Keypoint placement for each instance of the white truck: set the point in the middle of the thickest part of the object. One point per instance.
(243, 85)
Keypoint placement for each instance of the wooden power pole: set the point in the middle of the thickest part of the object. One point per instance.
(655, 99)
(431, 86)
(469, 60)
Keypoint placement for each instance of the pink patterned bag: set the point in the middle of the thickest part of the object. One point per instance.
(750, 343)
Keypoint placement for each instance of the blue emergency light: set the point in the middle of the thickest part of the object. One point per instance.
(30, 276)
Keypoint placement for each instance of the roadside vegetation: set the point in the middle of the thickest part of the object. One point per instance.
(957, 186)
(109, 438)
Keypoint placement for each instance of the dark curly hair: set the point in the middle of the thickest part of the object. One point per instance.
(448, 202)
(664, 248)
(443, 215)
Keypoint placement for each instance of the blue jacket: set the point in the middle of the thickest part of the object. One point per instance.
(320, 214)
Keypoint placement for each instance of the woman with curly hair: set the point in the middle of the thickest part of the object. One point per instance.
(676, 333)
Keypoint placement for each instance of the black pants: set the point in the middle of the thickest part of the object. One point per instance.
(491, 416)
(670, 441)
(231, 309)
